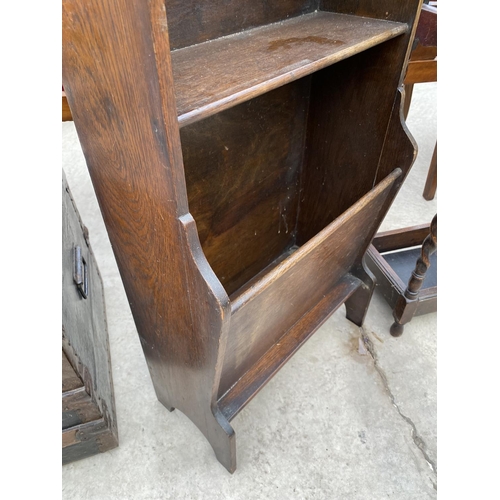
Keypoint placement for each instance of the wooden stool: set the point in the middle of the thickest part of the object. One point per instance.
(407, 304)
(391, 258)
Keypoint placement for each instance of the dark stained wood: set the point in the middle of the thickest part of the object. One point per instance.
(425, 41)
(431, 180)
(66, 112)
(216, 75)
(179, 306)
(345, 146)
(198, 212)
(318, 266)
(192, 22)
(387, 281)
(234, 400)
(265, 272)
(70, 379)
(391, 283)
(403, 263)
(407, 303)
(421, 53)
(399, 145)
(395, 239)
(422, 68)
(342, 146)
(391, 10)
(357, 304)
(242, 171)
(408, 93)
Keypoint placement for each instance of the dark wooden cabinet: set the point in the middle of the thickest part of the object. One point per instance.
(88, 405)
(243, 155)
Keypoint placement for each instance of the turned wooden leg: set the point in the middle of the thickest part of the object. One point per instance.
(357, 304)
(406, 305)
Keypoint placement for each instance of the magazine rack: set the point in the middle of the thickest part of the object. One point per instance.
(243, 155)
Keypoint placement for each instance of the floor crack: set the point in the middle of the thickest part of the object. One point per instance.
(419, 442)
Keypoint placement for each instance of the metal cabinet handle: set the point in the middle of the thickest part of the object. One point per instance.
(80, 275)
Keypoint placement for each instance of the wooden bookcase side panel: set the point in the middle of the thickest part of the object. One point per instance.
(118, 79)
(242, 171)
(266, 311)
(70, 378)
(196, 21)
(392, 287)
(399, 143)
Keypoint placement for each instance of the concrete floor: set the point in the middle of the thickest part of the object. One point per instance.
(337, 422)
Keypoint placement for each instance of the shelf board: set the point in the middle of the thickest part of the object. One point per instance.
(218, 74)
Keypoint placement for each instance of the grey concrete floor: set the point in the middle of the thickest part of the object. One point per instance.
(337, 422)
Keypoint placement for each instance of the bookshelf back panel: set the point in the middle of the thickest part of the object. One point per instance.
(196, 21)
(242, 170)
(350, 109)
(391, 10)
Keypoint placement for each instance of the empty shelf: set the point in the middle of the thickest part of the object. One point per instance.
(221, 73)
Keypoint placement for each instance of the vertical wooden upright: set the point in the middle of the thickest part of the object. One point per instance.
(116, 57)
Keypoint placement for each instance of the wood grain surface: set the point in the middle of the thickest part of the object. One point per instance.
(180, 204)
(242, 171)
(192, 22)
(116, 53)
(88, 393)
(265, 312)
(395, 239)
(260, 372)
(218, 74)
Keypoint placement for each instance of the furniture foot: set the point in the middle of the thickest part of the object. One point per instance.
(160, 395)
(357, 304)
(223, 440)
(397, 329)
